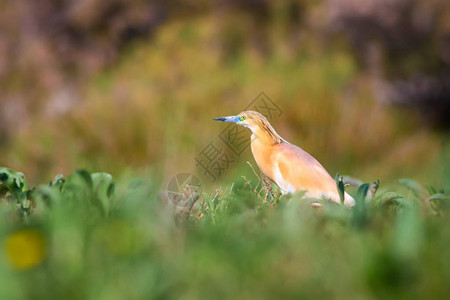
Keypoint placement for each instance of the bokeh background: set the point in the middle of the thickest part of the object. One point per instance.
(130, 87)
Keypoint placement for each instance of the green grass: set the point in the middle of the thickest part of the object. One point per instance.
(89, 237)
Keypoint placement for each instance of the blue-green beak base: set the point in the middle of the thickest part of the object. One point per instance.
(233, 119)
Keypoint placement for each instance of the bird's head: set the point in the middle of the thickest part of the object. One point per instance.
(249, 119)
(256, 122)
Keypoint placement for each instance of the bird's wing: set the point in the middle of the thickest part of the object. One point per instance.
(297, 170)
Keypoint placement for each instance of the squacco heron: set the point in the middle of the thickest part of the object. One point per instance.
(290, 167)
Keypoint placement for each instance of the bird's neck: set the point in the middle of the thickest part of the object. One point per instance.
(266, 135)
(262, 142)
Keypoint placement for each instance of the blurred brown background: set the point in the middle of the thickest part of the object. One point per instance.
(131, 86)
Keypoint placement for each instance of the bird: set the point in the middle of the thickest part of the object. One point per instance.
(290, 167)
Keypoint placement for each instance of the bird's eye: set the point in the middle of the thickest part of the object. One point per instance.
(242, 118)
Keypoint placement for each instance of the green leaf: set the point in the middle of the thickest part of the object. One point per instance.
(362, 192)
(431, 190)
(373, 188)
(439, 202)
(13, 182)
(340, 186)
(86, 176)
(103, 186)
(413, 186)
(58, 182)
(391, 197)
(360, 213)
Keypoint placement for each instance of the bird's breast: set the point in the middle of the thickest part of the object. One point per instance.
(263, 157)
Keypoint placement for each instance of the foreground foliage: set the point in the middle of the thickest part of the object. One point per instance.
(83, 237)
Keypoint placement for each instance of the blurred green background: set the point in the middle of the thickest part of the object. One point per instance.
(130, 88)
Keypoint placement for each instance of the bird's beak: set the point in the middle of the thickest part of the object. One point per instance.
(233, 119)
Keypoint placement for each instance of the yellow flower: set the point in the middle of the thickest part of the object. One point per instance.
(25, 248)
